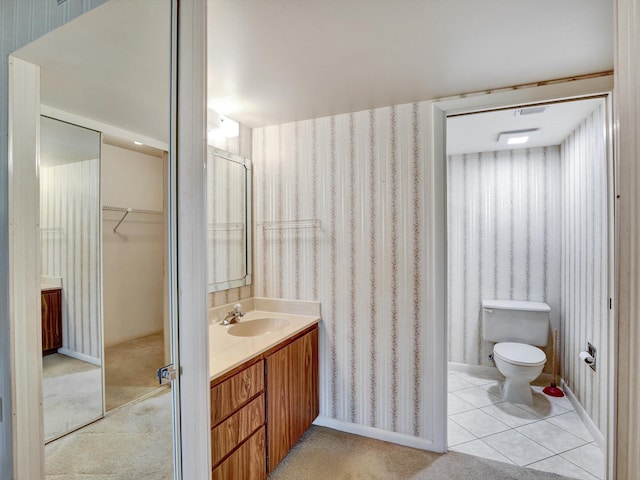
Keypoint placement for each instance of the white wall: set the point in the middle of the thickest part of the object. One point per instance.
(133, 257)
(584, 263)
(364, 177)
(504, 239)
(70, 236)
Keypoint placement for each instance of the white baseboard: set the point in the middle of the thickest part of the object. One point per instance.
(593, 430)
(80, 356)
(378, 434)
(468, 368)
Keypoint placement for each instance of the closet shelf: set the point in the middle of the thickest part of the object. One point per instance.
(291, 224)
(225, 227)
(127, 211)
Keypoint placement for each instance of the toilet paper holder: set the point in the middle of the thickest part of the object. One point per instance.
(589, 357)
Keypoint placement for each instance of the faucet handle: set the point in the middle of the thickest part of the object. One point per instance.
(237, 309)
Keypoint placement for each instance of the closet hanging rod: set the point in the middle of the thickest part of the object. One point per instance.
(127, 211)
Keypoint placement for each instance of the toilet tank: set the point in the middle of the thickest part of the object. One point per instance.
(515, 321)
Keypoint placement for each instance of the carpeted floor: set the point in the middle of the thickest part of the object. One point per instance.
(323, 453)
(130, 369)
(72, 394)
(131, 443)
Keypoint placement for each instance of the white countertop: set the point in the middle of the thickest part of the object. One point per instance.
(45, 287)
(227, 351)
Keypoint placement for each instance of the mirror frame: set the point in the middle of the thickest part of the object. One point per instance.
(248, 220)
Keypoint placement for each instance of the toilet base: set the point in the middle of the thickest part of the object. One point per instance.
(517, 391)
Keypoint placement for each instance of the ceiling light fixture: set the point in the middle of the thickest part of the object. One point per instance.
(138, 143)
(517, 137)
(521, 112)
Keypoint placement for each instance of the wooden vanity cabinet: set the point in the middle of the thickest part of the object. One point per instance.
(292, 394)
(51, 301)
(260, 409)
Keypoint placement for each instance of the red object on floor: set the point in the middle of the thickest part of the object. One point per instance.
(553, 391)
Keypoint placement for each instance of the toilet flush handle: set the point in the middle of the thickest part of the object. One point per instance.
(488, 310)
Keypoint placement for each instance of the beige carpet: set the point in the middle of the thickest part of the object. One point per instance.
(323, 454)
(130, 369)
(131, 443)
(72, 394)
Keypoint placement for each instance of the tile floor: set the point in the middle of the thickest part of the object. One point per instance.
(547, 436)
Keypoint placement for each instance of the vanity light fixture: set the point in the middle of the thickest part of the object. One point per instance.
(517, 137)
(229, 128)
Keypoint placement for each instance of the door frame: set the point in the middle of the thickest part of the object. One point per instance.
(187, 248)
(573, 89)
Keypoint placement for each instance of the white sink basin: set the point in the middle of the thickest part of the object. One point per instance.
(257, 327)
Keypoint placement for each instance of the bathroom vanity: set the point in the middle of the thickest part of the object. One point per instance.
(264, 388)
(51, 300)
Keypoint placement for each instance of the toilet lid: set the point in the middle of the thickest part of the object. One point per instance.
(519, 353)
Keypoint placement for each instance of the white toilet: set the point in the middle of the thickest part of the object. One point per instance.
(516, 326)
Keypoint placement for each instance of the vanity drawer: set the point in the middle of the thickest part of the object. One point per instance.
(237, 428)
(234, 392)
(247, 462)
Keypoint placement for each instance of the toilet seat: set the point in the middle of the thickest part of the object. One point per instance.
(519, 354)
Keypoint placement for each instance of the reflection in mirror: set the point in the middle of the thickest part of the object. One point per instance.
(70, 284)
(229, 220)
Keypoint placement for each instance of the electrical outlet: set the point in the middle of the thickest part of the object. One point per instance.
(592, 351)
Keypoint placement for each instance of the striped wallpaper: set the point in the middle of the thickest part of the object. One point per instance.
(340, 209)
(584, 263)
(504, 237)
(240, 145)
(70, 229)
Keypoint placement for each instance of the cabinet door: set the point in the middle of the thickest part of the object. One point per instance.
(292, 394)
(51, 321)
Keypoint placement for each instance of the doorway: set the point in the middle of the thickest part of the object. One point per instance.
(516, 218)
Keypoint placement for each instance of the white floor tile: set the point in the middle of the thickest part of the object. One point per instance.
(456, 405)
(543, 407)
(510, 414)
(479, 423)
(551, 437)
(478, 397)
(559, 465)
(560, 401)
(480, 378)
(518, 448)
(589, 457)
(572, 423)
(481, 449)
(455, 383)
(456, 434)
(548, 435)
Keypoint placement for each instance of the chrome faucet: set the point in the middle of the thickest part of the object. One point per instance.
(233, 315)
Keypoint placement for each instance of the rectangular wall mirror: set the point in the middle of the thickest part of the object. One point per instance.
(228, 220)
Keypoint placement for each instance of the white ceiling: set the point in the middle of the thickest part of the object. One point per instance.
(479, 132)
(62, 143)
(111, 65)
(277, 61)
(283, 60)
